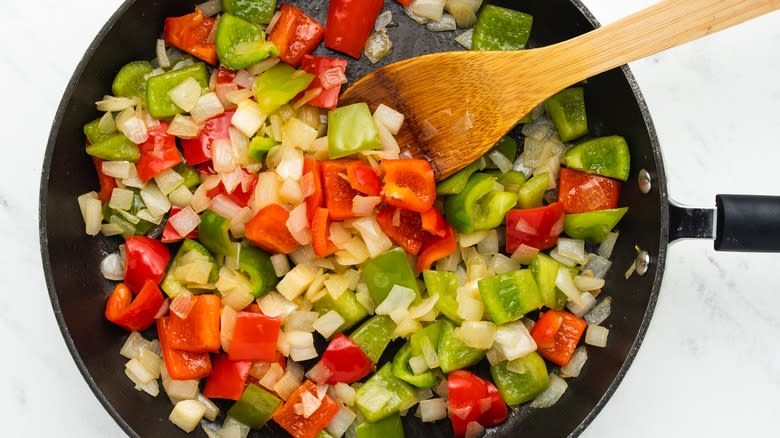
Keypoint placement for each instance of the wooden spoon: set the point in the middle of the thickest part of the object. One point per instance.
(459, 104)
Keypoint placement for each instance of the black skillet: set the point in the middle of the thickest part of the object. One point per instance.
(615, 106)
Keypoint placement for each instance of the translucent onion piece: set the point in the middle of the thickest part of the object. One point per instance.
(470, 309)
(477, 334)
(307, 96)
(182, 304)
(114, 104)
(117, 169)
(600, 312)
(432, 410)
(383, 20)
(162, 55)
(274, 373)
(399, 297)
(445, 23)
(464, 39)
(298, 225)
(187, 414)
(156, 201)
(597, 265)
(564, 282)
(267, 63)
(183, 127)
(577, 361)
(514, 340)
(342, 393)
(550, 395)
(364, 205)
(295, 282)
(186, 94)
(266, 191)
(471, 239)
(501, 264)
(300, 321)
(132, 126)
(275, 305)
(291, 163)
(341, 422)
(429, 353)
(91, 212)
(431, 9)
(309, 404)
(339, 235)
(573, 249)
(608, 244)
(419, 310)
(222, 155)
(149, 387)
(588, 301)
(596, 335)
(390, 118)
(561, 258)
(333, 77)
(319, 373)
(376, 241)
(281, 264)
(209, 8)
(364, 298)
(248, 118)
(474, 430)
(133, 344)
(375, 398)
(418, 364)
(231, 422)
(207, 107)
(378, 46)
(111, 267)
(168, 180)
(121, 199)
(587, 283)
(489, 244)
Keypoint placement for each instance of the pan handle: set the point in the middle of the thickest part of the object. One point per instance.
(745, 223)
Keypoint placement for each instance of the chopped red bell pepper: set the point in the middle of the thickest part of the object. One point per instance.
(158, 153)
(314, 199)
(296, 424)
(472, 398)
(546, 328)
(345, 360)
(198, 150)
(228, 379)
(137, 314)
(436, 248)
(181, 365)
(537, 227)
(268, 230)
(295, 34)
(225, 75)
(338, 193)
(190, 33)
(405, 2)
(350, 23)
(581, 192)
(254, 337)
(363, 179)
(433, 222)
(408, 234)
(408, 184)
(199, 331)
(241, 194)
(567, 336)
(170, 234)
(107, 183)
(146, 260)
(206, 169)
(320, 234)
(330, 67)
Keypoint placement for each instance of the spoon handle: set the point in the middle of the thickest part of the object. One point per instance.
(659, 27)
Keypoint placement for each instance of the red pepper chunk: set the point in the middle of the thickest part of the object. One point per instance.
(254, 337)
(295, 34)
(134, 315)
(296, 424)
(435, 248)
(363, 179)
(268, 230)
(546, 328)
(408, 184)
(228, 379)
(536, 227)
(225, 75)
(566, 339)
(472, 398)
(190, 33)
(314, 199)
(408, 234)
(199, 331)
(433, 222)
(181, 365)
(158, 153)
(170, 234)
(336, 188)
(350, 23)
(345, 360)
(318, 65)
(147, 259)
(320, 234)
(107, 183)
(198, 150)
(581, 192)
(405, 2)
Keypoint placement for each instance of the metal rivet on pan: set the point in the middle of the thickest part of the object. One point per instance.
(645, 181)
(642, 262)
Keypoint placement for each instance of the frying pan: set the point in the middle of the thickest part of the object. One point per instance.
(78, 291)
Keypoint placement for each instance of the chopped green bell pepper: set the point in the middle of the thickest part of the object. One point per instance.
(512, 180)
(499, 28)
(374, 335)
(129, 221)
(351, 129)
(279, 85)
(605, 156)
(545, 270)
(385, 271)
(191, 250)
(93, 134)
(324, 434)
(508, 148)
(402, 395)
(241, 43)
(346, 305)
(445, 285)
(213, 233)
(130, 81)
(492, 208)
(255, 407)
(592, 226)
(117, 147)
(520, 388)
(259, 147)
(190, 175)
(158, 102)
(567, 111)
(402, 369)
(453, 353)
(531, 193)
(461, 208)
(456, 182)
(432, 332)
(510, 295)
(390, 427)
(256, 263)
(254, 11)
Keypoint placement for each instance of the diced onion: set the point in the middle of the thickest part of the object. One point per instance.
(111, 267)
(266, 190)
(207, 107)
(291, 192)
(600, 312)
(463, 11)
(117, 169)
(399, 297)
(132, 126)
(587, 283)
(183, 127)
(588, 301)
(431, 9)
(432, 410)
(248, 118)
(291, 163)
(319, 373)
(445, 23)
(561, 258)
(376, 241)
(187, 414)
(429, 352)
(222, 155)
(156, 201)
(182, 304)
(573, 249)
(272, 376)
(298, 224)
(514, 340)
(596, 335)
(209, 8)
(364, 298)
(121, 199)
(162, 55)
(577, 361)
(295, 282)
(474, 430)
(151, 387)
(489, 244)
(471, 239)
(608, 244)
(227, 208)
(341, 422)
(303, 353)
(111, 103)
(417, 311)
(275, 305)
(550, 395)
(281, 264)
(133, 344)
(464, 39)
(597, 265)
(501, 161)
(309, 404)
(267, 63)
(91, 211)
(186, 94)
(333, 77)
(477, 334)
(378, 46)
(168, 180)
(300, 321)
(418, 364)
(501, 264)
(306, 97)
(564, 282)
(390, 118)
(470, 309)
(364, 205)
(342, 393)
(179, 389)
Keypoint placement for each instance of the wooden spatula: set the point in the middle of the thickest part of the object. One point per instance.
(459, 104)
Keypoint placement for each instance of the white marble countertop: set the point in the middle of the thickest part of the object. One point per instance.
(710, 364)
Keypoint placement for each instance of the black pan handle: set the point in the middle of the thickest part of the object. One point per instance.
(745, 223)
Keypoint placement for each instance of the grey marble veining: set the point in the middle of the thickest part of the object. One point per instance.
(710, 364)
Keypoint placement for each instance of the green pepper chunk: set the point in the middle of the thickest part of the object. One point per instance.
(507, 146)
(130, 81)
(241, 43)
(279, 85)
(531, 193)
(460, 208)
(255, 407)
(387, 270)
(445, 285)
(351, 129)
(190, 175)
(510, 295)
(520, 388)
(500, 28)
(374, 336)
(567, 111)
(492, 209)
(256, 263)
(213, 233)
(117, 147)
(259, 147)
(512, 180)
(403, 371)
(456, 182)
(592, 226)
(346, 305)
(324, 434)
(432, 332)
(402, 395)
(93, 134)
(605, 156)
(453, 353)
(254, 11)
(390, 427)
(545, 270)
(189, 251)
(158, 102)
(129, 221)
